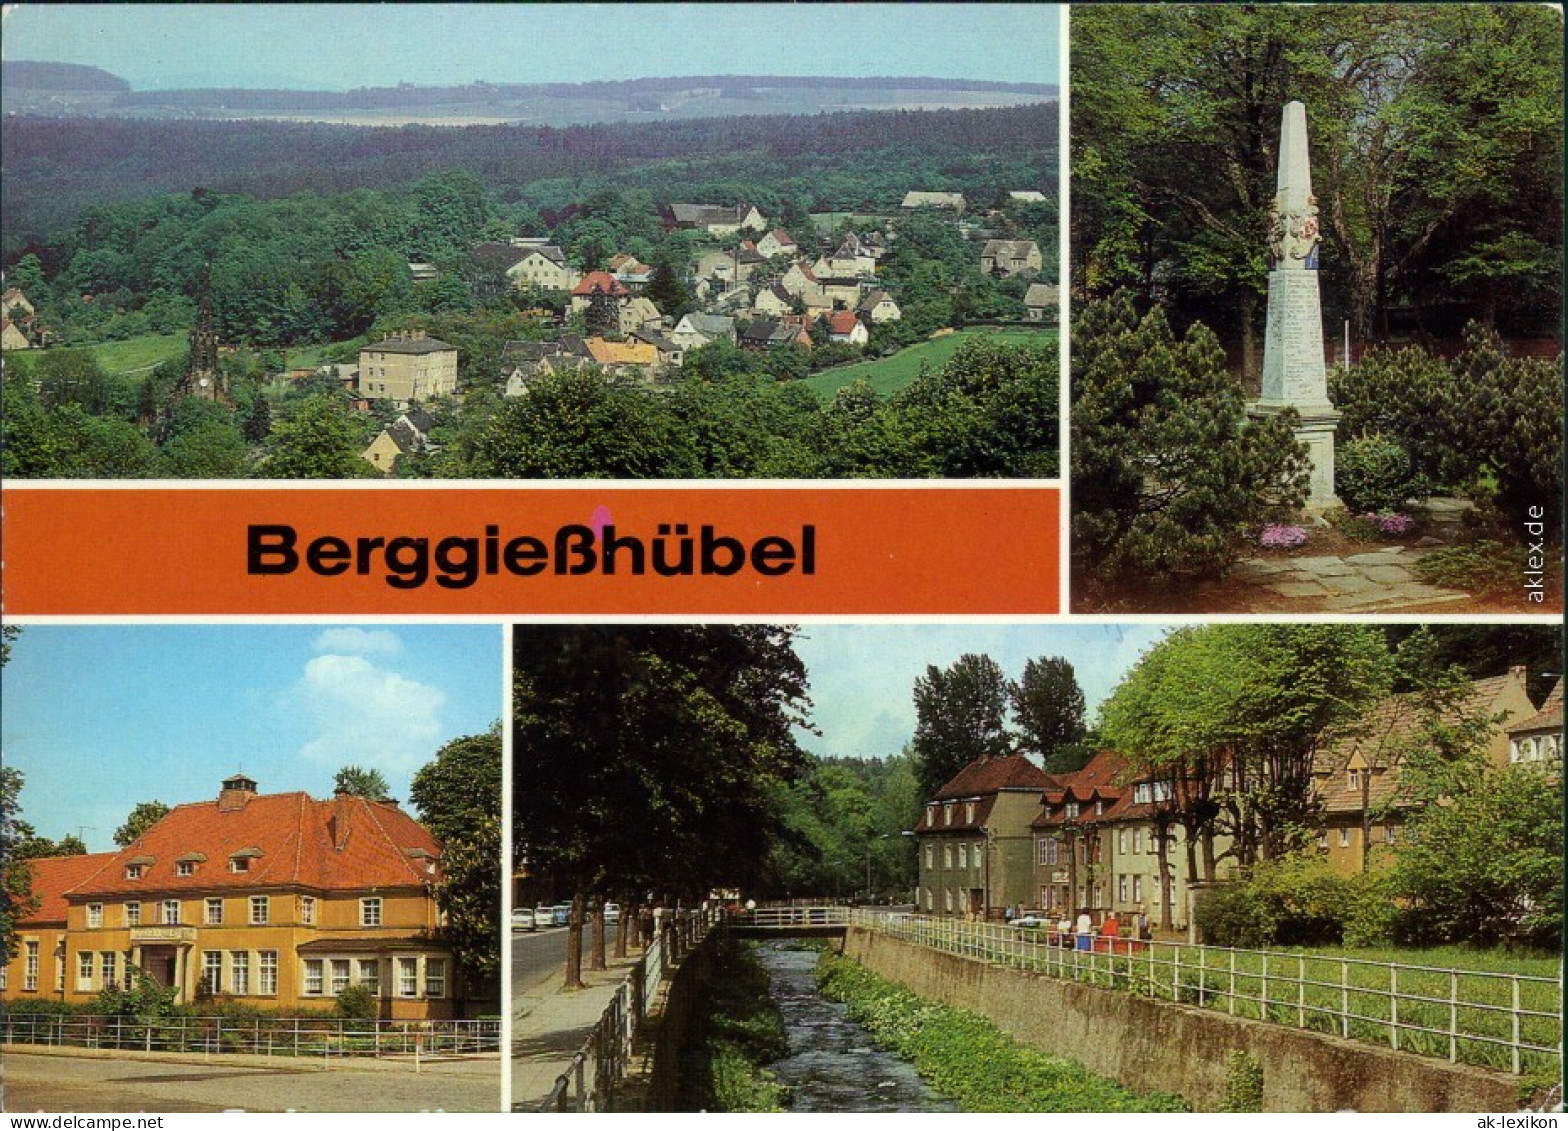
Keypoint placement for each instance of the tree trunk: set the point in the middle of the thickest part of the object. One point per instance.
(623, 930)
(1207, 839)
(1073, 903)
(596, 958)
(1166, 894)
(574, 946)
(1191, 840)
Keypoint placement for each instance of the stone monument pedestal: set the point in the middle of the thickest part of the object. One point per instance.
(1316, 430)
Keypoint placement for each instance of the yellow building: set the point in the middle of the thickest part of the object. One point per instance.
(1358, 778)
(278, 900)
(407, 367)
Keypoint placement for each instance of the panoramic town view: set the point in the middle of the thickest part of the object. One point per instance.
(720, 277)
(928, 868)
(298, 878)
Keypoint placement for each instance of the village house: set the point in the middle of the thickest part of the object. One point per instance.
(878, 307)
(1026, 196)
(623, 359)
(799, 280)
(600, 289)
(845, 327)
(670, 356)
(1539, 738)
(1042, 302)
(1357, 779)
(732, 266)
(777, 242)
(953, 200)
(631, 272)
(1005, 258)
(695, 330)
(765, 334)
(409, 434)
(276, 901)
(522, 363)
(837, 292)
(715, 219)
(540, 266)
(12, 336)
(407, 367)
(423, 272)
(974, 842)
(849, 260)
(773, 302)
(638, 313)
(19, 326)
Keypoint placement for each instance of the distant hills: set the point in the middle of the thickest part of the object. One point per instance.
(68, 90)
(24, 76)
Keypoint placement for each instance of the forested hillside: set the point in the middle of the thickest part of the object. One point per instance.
(57, 168)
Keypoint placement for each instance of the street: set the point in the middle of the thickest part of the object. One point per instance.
(538, 965)
(84, 1080)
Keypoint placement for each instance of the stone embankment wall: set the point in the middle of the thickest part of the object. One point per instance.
(1163, 1047)
(659, 1088)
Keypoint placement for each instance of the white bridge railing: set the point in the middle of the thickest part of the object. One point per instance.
(785, 918)
(1497, 1019)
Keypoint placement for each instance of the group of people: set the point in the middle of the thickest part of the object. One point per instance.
(1085, 927)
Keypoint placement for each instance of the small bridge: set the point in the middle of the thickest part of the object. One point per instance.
(788, 922)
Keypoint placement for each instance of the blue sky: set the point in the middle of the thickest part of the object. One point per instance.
(863, 676)
(100, 717)
(341, 46)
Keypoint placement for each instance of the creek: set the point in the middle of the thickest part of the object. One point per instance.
(832, 1064)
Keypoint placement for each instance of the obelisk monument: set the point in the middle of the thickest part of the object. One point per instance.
(1294, 373)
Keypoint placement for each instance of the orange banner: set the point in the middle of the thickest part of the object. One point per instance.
(515, 550)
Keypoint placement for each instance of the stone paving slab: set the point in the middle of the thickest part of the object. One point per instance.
(548, 1028)
(1376, 579)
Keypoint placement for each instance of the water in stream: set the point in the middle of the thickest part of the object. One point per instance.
(832, 1064)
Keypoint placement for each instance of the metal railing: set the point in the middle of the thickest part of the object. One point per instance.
(1495, 1019)
(785, 917)
(589, 1083)
(326, 1037)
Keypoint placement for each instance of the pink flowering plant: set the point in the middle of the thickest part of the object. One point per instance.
(1278, 536)
(1391, 524)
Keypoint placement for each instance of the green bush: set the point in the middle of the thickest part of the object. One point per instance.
(355, 1002)
(1234, 915)
(1375, 473)
(1298, 901)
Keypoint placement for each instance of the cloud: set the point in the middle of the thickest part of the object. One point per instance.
(362, 714)
(358, 642)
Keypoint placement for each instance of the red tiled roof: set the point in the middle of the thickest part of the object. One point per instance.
(52, 877)
(843, 322)
(1392, 721)
(346, 843)
(987, 775)
(1101, 779)
(600, 282)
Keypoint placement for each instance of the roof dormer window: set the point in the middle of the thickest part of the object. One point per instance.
(133, 871)
(241, 861)
(947, 813)
(1072, 809)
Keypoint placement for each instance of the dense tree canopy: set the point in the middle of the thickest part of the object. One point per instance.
(960, 715)
(1436, 141)
(144, 816)
(362, 781)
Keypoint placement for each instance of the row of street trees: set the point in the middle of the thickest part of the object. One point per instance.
(649, 762)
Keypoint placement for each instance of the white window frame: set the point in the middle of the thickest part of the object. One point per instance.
(370, 911)
(169, 912)
(1121, 842)
(84, 971)
(212, 911)
(212, 970)
(133, 913)
(367, 972)
(313, 981)
(95, 914)
(108, 968)
(30, 964)
(407, 975)
(260, 910)
(435, 977)
(133, 871)
(307, 910)
(239, 973)
(1344, 836)
(267, 973)
(340, 974)
(1137, 889)
(239, 864)
(185, 867)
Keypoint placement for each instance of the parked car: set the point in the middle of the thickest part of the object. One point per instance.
(561, 915)
(523, 919)
(612, 913)
(1032, 922)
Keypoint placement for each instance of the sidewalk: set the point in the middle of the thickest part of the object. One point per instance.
(550, 1024)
